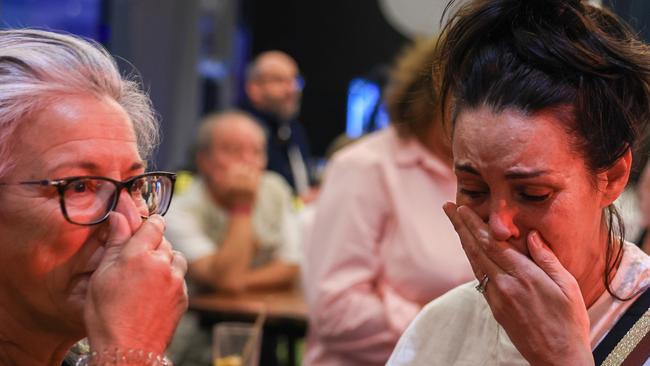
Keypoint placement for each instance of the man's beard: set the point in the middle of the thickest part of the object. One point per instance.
(282, 111)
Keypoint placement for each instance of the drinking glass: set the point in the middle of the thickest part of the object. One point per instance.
(235, 344)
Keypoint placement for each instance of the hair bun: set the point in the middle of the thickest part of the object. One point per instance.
(542, 32)
(547, 6)
(532, 14)
(536, 54)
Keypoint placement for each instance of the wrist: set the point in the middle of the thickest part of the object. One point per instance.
(579, 357)
(118, 356)
(586, 358)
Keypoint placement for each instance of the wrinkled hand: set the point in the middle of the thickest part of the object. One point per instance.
(538, 302)
(137, 294)
(239, 185)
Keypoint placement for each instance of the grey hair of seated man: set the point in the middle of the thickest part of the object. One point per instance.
(213, 122)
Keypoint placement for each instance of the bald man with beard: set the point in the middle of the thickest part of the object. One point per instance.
(273, 90)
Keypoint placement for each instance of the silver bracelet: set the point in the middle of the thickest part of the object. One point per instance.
(116, 356)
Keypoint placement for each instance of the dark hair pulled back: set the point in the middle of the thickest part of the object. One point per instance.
(557, 55)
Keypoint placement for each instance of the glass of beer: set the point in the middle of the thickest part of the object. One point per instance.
(235, 344)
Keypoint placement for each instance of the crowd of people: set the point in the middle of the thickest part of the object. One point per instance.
(479, 228)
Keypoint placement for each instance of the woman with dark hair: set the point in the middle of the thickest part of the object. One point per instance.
(547, 100)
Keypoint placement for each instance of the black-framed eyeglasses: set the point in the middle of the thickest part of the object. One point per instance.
(88, 200)
(298, 80)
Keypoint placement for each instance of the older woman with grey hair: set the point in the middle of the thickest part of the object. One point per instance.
(81, 232)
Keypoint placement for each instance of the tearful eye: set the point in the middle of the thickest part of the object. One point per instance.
(471, 193)
(535, 197)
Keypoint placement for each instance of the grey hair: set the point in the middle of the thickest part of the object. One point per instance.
(204, 137)
(38, 66)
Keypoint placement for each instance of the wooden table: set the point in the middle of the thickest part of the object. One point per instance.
(282, 304)
(286, 316)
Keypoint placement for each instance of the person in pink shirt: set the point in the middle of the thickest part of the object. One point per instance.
(380, 247)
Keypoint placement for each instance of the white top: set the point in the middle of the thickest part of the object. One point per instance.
(458, 328)
(196, 224)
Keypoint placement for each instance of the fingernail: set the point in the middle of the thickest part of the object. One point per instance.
(448, 207)
(102, 232)
(158, 221)
(464, 212)
(535, 239)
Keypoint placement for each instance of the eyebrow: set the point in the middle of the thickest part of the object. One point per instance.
(524, 174)
(466, 168)
(90, 166)
(511, 174)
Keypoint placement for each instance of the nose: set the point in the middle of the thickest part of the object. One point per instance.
(501, 221)
(247, 157)
(127, 207)
(251, 157)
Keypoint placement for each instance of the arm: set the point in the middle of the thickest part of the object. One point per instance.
(348, 311)
(274, 274)
(283, 269)
(226, 269)
(229, 268)
(236, 188)
(222, 268)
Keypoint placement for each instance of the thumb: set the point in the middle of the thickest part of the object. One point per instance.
(119, 233)
(544, 257)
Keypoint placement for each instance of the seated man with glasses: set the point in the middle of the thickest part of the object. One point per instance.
(81, 231)
(235, 223)
(273, 93)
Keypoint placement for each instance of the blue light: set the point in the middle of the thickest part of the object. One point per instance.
(364, 98)
(382, 120)
(80, 17)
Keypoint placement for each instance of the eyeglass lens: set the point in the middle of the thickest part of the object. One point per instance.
(89, 200)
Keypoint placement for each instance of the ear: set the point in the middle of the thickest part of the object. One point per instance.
(614, 179)
(253, 91)
(202, 163)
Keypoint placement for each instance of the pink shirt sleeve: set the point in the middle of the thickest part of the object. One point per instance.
(351, 310)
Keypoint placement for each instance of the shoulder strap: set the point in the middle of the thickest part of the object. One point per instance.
(633, 314)
(641, 353)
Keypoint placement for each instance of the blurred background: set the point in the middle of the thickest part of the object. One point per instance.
(191, 54)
